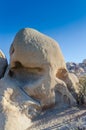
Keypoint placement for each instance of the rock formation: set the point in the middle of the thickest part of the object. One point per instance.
(35, 80)
(3, 64)
(79, 69)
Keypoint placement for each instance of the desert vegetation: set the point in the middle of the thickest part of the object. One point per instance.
(82, 92)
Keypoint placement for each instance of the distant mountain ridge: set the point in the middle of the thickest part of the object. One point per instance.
(78, 69)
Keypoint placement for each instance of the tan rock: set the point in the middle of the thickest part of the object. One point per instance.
(34, 80)
(71, 81)
(3, 64)
(16, 108)
(34, 61)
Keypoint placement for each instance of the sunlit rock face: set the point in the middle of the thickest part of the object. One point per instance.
(3, 64)
(36, 79)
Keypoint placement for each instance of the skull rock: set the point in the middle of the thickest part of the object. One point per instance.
(35, 60)
(3, 64)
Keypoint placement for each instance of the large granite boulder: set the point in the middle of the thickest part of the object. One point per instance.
(36, 79)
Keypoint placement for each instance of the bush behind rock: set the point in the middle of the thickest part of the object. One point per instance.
(82, 93)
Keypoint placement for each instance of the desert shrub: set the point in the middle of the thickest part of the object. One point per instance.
(82, 92)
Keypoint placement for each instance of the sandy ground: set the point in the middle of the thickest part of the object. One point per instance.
(63, 119)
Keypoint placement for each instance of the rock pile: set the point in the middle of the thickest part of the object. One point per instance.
(78, 69)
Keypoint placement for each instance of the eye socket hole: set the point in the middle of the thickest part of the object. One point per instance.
(10, 73)
(18, 64)
(61, 73)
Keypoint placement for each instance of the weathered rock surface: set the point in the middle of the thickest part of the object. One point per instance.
(37, 66)
(36, 79)
(3, 64)
(14, 106)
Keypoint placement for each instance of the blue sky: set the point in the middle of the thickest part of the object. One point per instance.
(63, 20)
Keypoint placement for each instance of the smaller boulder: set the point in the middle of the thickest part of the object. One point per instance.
(3, 64)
